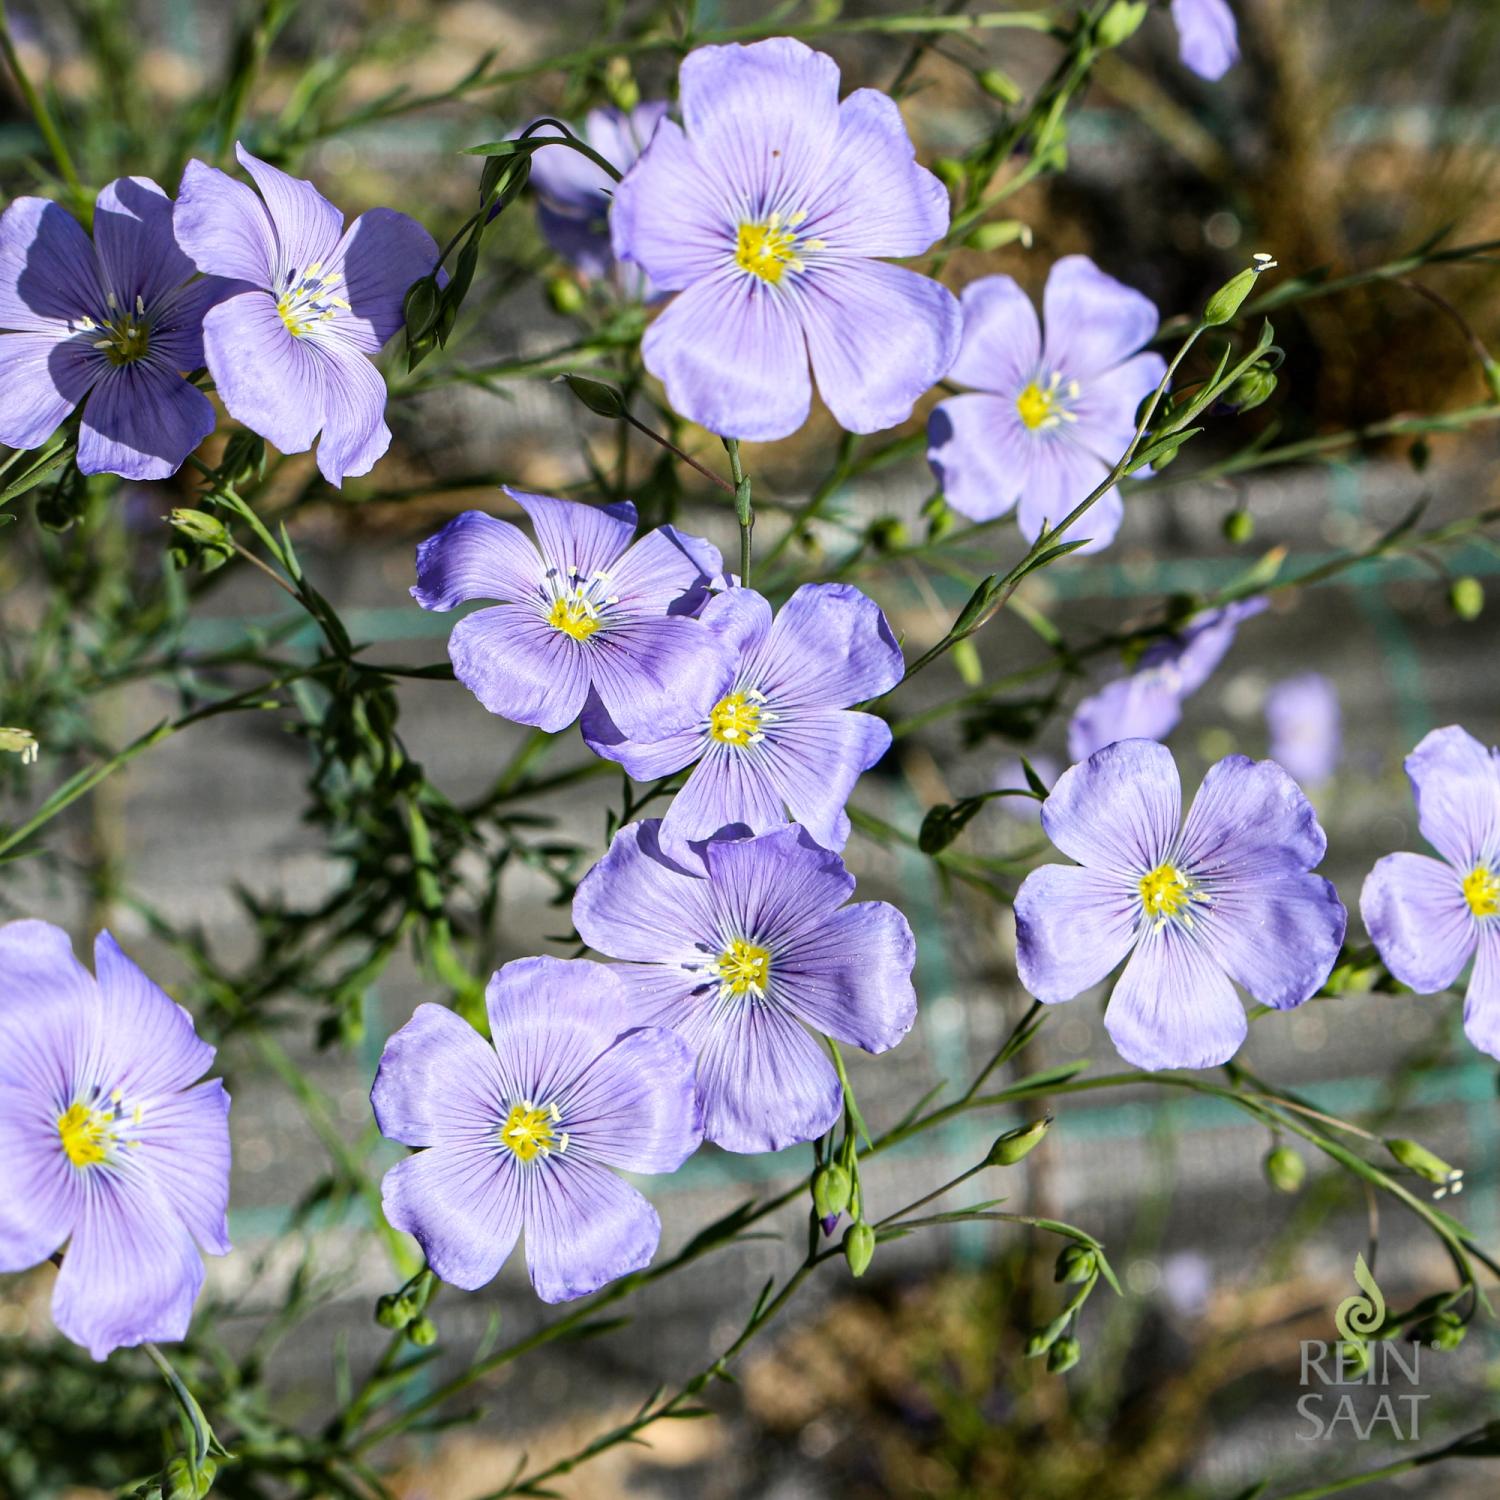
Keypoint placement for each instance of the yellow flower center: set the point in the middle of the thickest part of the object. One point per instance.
(1482, 891)
(744, 968)
(769, 249)
(308, 299)
(1042, 405)
(574, 616)
(528, 1130)
(85, 1134)
(735, 720)
(1164, 892)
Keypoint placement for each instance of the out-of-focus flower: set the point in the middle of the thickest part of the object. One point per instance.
(1047, 417)
(114, 324)
(782, 740)
(108, 1140)
(1302, 714)
(20, 742)
(1147, 703)
(1228, 896)
(1208, 41)
(736, 954)
(522, 1135)
(1427, 916)
(290, 351)
(584, 609)
(767, 211)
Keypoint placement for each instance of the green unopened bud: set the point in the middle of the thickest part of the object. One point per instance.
(1428, 1165)
(1120, 22)
(619, 83)
(604, 400)
(831, 1190)
(244, 457)
(187, 1482)
(1284, 1169)
(1075, 1263)
(1466, 597)
(394, 1311)
(565, 295)
(1239, 526)
(1445, 1331)
(1014, 1144)
(1063, 1355)
(422, 1332)
(998, 232)
(420, 308)
(207, 530)
(999, 85)
(1353, 1359)
(1044, 1338)
(859, 1247)
(964, 655)
(1252, 389)
(20, 742)
(939, 518)
(951, 171)
(886, 534)
(1225, 302)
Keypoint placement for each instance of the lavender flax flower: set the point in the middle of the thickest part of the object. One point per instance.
(584, 609)
(1208, 40)
(1302, 714)
(1047, 418)
(735, 949)
(1227, 897)
(767, 211)
(780, 740)
(1427, 916)
(522, 1135)
(115, 324)
(108, 1141)
(290, 351)
(1146, 703)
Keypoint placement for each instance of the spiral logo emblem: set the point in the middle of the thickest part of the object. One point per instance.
(1358, 1317)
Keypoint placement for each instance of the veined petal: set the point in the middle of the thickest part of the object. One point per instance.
(657, 675)
(1142, 706)
(644, 760)
(1173, 1007)
(380, 255)
(726, 789)
(775, 887)
(814, 761)
(1107, 404)
(584, 1229)
(666, 570)
(980, 454)
(1073, 926)
(476, 556)
(1456, 782)
(830, 646)
(49, 276)
(1063, 474)
(1482, 1003)
(1413, 907)
(138, 253)
(880, 337)
(267, 379)
(307, 225)
(41, 1195)
(141, 421)
(49, 1013)
(518, 666)
(224, 227)
(1093, 322)
(354, 432)
(438, 1083)
(573, 536)
(184, 1145)
(731, 352)
(1001, 347)
(42, 378)
(147, 1036)
(463, 1205)
(1117, 811)
(1248, 816)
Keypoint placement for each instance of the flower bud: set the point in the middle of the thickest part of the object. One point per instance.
(619, 83)
(1225, 302)
(831, 1189)
(1239, 526)
(1444, 1330)
(1252, 389)
(1014, 1144)
(394, 1311)
(859, 1247)
(1120, 22)
(886, 534)
(422, 1332)
(939, 518)
(1076, 1263)
(1466, 597)
(420, 308)
(997, 233)
(1428, 1165)
(999, 85)
(201, 527)
(1063, 1355)
(603, 400)
(20, 742)
(829, 1223)
(565, 295)
(1284, 1169)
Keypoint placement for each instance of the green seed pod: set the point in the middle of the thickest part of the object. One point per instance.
(1239, 526)
(1466, 597)
(1284, 1169)
(1445, 1331)
(1225, 302)
(394, 1311)
(831, 1190)
(1063, 1355)
(1120, 22)
(1075, 1263)
(1426, 1164)
(859, 1247)
(1252, 389)
(999, 85)
(423, 1332)
(1014, 1144)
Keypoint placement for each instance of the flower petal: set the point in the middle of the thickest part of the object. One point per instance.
(636, 1106)
(731, 352)
(667, 570)
(584, 1229)
(812, 761)
(1482, 1002)
(656, 676)
(463, 1204)
(308, 226)
(1106, 406)
(438, 1083)
(980, 454)
(1063, 474)
(728, 788)
(1457, 786)
(880, 337)
(1093, 322)
(141, 421)
(42, 378)
(41, 1194)
(224, 227)
(1249, 816)
(830, 646)
(139, 256)
(1001, 348)
(773, 888)
(379, 257)
(147, 1036)
(1413, 907)
(519, 667)
(49, 276)
(1142, 706)
(1302, 715)
(354, 432)
(1073, 926)
(1119, 810)
(644, 760)
(184, 1145)
(267, 379)
(49, 1011)
(574, 537)
(1173, 1006)
(476, 556)
(1208, 39)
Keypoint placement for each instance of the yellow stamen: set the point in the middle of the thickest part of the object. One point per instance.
(1038, 407)
(735, 720)
(744, 968)
(574, 617)
(85, 1134)
(1164, 892)
(1482, 891)
(767, 250)
(528, 1131)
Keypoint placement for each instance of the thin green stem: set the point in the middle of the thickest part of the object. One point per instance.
(40, 113)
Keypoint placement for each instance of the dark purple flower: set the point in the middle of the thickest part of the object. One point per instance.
(1147, 703)
(584, 609)
(1226, 897)
(1208, 40)
(1302, 714)
(114, 324)
(524, 1134)
(290, 350)
(108, 1141)
(1427, 916)
(1048, 418)
(781, 740)
(767, 213)
(735, 950)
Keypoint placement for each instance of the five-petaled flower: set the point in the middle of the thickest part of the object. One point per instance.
(583, 609)
(1428, 916)
(522, 1135)
(1227, 896)
(735, 948)
(1047, 417)
(767, 211)
(1208, 40)
(115, 324)
(781, 739)
(108, 1141)
(290, 351)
